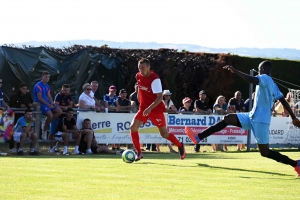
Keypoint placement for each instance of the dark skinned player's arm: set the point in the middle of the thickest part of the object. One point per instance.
(246, 77)
(286, 105)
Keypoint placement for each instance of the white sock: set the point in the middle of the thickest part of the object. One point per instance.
(89, 150)
(65, 149)
(20, 149)
(76, 148)
(32, 150)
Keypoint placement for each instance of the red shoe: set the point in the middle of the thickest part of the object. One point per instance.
(297, 169)
(139, 156)
(192, 134)
(182, 151)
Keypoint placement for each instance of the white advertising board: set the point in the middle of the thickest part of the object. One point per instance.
(115, 128)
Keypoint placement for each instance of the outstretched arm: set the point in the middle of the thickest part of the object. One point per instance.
(250, 79)
(157, 101)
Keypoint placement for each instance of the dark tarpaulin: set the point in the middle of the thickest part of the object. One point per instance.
(26, 65)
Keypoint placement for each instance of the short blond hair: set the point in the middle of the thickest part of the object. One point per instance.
(85, 85)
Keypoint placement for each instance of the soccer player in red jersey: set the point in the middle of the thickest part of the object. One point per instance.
(151, 106)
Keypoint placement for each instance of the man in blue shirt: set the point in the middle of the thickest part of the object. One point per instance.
(41, 93)
(24, 131)
(111, 99)
(258, 119)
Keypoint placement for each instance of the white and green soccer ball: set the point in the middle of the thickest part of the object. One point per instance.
(128, 156)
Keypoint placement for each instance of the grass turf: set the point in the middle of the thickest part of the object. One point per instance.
(221, 175)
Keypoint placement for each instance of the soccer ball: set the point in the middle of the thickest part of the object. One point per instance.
(128, 156)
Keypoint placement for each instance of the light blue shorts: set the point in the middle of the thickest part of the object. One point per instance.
(259, 130)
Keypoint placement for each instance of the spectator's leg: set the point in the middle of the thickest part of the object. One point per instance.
(77, 137)
(213, 147)
(104, 149)
(65, 137)
(33, 138)
(23, 139)
(11, 143)
(88, 139)
(56, 113)
(157, 147)
(148, 147)
(53, 130)
(197, 148)
(225, 147)
(49, 117)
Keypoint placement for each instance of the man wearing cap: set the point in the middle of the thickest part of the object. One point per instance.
(186, 105)
(111, 99)
(201, 107)
(151, 107)
(124, 103)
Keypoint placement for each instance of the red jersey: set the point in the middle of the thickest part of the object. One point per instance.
(146, 95)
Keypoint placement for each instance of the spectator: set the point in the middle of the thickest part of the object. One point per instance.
(64, 101)
(134, 98)
(88, 142)
(67, 131)
(125, 104)
(3, 105)
(168, 102)
(236, 104)
(279, 109)
(86, 100)
(297, 108)
(94, 86)
(21, 99)
(220, 107)
(111, 100)
(64, 98)
(42, 95)
(202, 107)
(247, 102)
(186, 105)
(24, 131)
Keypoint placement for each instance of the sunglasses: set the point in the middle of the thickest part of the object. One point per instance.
(88, 89)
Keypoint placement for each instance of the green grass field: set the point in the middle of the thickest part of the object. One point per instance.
(221, 175)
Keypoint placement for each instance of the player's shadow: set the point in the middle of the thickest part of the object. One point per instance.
(216, 167)
(243, 170)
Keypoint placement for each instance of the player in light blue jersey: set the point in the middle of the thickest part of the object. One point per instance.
(258, 119)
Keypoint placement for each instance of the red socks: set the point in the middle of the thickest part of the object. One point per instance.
(174, 140)
(136, 141)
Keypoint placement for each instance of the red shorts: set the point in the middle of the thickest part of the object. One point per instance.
(157, 118)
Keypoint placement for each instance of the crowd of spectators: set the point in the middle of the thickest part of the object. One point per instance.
(62, 127)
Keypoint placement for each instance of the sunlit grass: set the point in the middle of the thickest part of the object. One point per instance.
(221, 175)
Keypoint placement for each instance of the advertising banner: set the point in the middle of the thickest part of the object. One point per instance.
(229, 135)
(115, 128)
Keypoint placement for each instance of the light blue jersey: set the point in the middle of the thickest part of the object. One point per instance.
(266, 93)
(21, 123)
